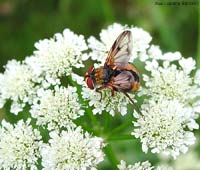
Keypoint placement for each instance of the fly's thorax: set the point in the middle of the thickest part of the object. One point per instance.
(99, 75)
(104, 74)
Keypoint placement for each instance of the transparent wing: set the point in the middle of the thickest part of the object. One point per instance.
(124, 81)
(120, 51)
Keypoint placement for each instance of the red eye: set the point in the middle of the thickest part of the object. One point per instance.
(89, 77)
(90, 82)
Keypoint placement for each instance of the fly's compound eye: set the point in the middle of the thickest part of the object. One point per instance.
(89, 78)
(89, 82)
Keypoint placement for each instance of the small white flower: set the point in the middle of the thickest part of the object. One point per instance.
(154, 52)
(16, 83)
(165, 126)
(44, 79)
(101, 48)
(141, 40)
(171, 56)
(72, 150)
(187, 64)
(57, 56)
(57, 108)
(137, 166)
(111, 104)
(78, 79)
(19, 146)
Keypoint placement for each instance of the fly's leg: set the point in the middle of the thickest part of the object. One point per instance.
(98, 90)
(135, 105)
(111, 88)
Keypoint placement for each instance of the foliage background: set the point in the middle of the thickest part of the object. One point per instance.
(23, 22)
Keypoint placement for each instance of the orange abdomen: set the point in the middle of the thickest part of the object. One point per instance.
(135, 73)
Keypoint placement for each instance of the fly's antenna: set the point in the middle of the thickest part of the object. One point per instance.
(135, 105)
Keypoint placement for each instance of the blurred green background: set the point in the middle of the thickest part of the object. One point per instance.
(23, 22)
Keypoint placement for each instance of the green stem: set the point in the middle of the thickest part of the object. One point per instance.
(111, 156)
(121, 127)
(106, 121)
(88, 110)
(198, 44)
(91, 116)
(120, 137)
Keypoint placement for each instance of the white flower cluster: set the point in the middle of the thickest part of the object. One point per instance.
(163, 125)
(56, 108)
(37, 81)
(53, 59)
(168, 117)
(170, 82)
(16, 84)
(19, 146)
(57, 56)
(72, 150)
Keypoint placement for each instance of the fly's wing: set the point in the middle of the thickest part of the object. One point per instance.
(120, 51)
(123, 81)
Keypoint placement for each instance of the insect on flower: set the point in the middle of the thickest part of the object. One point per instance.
(117, 73)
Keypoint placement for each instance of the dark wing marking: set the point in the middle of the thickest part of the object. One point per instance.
(120, 51)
